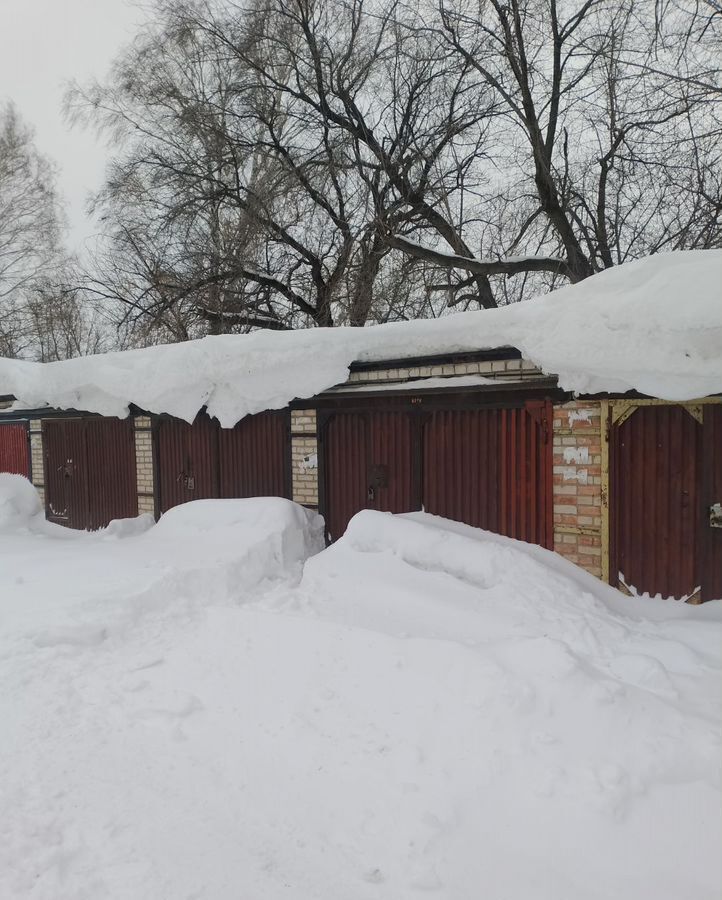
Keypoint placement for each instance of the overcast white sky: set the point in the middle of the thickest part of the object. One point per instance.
(44, 43)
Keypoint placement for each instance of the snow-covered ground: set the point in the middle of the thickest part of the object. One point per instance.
(424, 709)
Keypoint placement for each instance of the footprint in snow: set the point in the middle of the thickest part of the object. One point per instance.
(374, 876)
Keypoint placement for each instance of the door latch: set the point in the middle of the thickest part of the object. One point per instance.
(188, 481)
(715, 515)
(378, 477)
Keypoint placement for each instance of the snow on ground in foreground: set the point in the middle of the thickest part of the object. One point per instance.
(622, 329)
(432, 711)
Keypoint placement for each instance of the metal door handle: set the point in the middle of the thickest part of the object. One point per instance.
(371, 493)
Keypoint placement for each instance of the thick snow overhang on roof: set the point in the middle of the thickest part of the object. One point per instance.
(652, 325)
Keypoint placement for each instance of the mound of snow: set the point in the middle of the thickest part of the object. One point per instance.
(570, 741)
(125, 528)
(622, 329)
(19, 501)
(433, 710)
(270, 534)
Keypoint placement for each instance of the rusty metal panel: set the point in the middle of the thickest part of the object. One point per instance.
(253, 457)
(89, 471)
(14, 455)
(345, 448)
(461, 466)
(525, 473)
(367, 465)
(712, 494)
(491, 468)
(187, 461)
(389, 478)
(655, 474)
(487, 467)
(111, 473)
(66, 482)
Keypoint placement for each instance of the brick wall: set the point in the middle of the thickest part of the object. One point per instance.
(37, 469)
(577, 478)
(144, 464)
(512, 369)
(304, 457)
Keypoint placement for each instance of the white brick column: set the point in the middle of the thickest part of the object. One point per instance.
(144, 464)
(37, 467)
(304, 457)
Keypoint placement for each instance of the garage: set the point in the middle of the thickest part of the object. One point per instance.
(666, 483)
(14, 455)
(203, 460)
(90, 476)
(468, 457)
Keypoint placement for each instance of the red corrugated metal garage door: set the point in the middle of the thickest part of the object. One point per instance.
(90, 476)
(14, 455)
(202, 460)
(525, 473)
(666, 472)
(461, 466)
(711, 494)
(487, 467)
(112, 479)
(187, 455)
(368, 465)
(491, 468)
(253, 457)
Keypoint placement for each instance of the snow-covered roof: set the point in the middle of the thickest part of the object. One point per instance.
(652, 325)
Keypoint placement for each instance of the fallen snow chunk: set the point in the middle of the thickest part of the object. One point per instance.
(124, 528)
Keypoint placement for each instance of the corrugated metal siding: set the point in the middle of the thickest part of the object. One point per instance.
(203, 460)
(110, 466)
(488, 467)
(712, 493)
(525, 474)
(253, 457)
(66, 482)
(89, 471)
(14, 456)
(187, 461)
(461, 466)
(346, 463)
(655, 504)
(390, 462)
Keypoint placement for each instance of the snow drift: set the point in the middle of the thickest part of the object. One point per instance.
(19, 501)
(653, 325)
(432, 711)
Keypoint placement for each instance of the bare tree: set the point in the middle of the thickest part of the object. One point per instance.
(229, 208)
(283, 161)
(41, 316)
(615, 128)
(29, 226)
